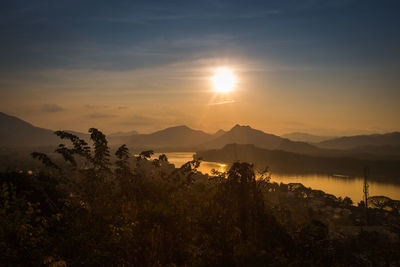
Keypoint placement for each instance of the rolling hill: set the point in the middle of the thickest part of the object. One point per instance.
(305, 137)
(15, 132)
(178, 136)
(352, 142)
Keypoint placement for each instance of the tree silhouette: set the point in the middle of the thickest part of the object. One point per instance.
(45, 160)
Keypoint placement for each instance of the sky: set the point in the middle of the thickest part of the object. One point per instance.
(327, 67)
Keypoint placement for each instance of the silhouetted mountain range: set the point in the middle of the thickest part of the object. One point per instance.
(247, 135)
(352, 142)
(178, 136)
(305, 137)
(15, 132)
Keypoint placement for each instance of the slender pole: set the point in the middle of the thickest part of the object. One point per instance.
(366, 186)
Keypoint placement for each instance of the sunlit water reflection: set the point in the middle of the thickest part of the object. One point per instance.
(351, 187)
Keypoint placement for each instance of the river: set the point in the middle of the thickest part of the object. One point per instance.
(339, 186)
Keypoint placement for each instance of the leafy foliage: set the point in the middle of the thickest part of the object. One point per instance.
(45, 160)
(103, 210)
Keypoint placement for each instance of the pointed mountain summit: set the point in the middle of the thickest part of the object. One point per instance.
(247, 135)
(219, 133)
(178, 136)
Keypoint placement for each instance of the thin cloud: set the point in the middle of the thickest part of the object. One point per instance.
(90, 106)
(97, 115)
(223, 102)
(51, 108)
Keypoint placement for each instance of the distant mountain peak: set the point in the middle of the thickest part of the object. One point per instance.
(219, 133)
(180, 127)
(5, 118)
(247, 130)
(241, 127)
(176, 136)
(177, 129)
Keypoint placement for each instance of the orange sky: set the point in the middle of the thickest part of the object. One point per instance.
(181, 93)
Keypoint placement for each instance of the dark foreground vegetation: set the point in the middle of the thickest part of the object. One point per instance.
(96, 209)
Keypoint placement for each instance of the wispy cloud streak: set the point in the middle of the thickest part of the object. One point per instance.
(224, 102)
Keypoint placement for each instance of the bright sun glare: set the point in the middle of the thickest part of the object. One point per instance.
(223, 80)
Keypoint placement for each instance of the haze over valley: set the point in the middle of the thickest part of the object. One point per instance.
(346, 155)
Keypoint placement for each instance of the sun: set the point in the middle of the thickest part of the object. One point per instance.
(224, 80)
